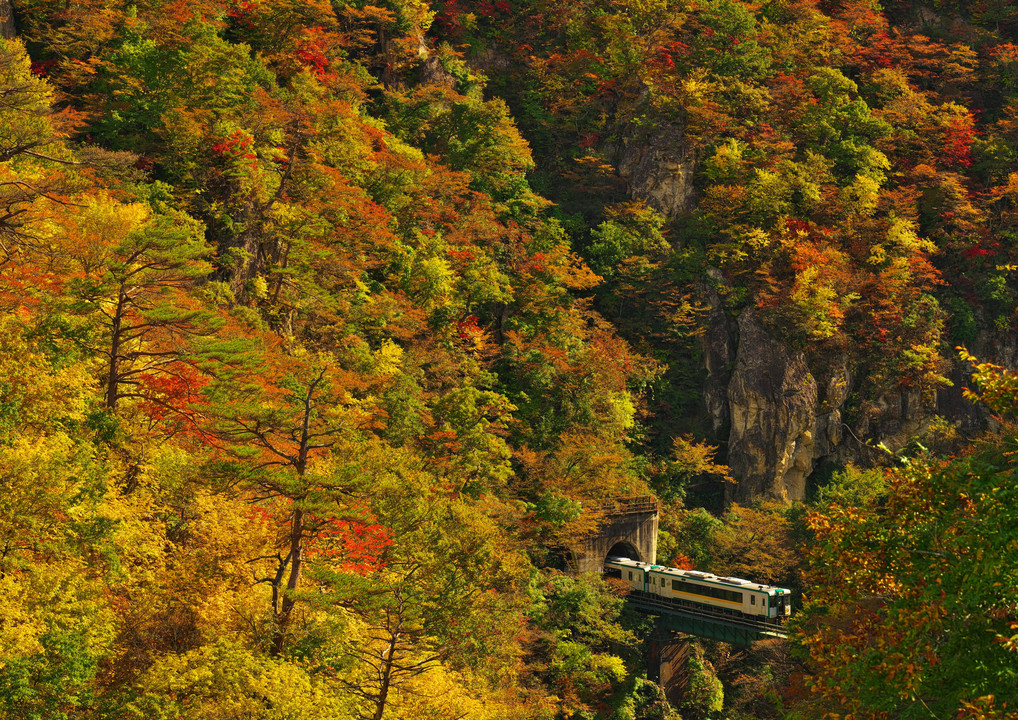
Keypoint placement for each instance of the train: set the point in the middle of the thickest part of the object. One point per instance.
(725, 595)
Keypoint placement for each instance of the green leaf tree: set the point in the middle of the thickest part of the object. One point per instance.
(910, 605)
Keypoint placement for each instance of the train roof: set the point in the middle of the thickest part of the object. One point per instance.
(631, 562)
(702, 576)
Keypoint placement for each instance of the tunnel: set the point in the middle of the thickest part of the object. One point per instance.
(624, 549)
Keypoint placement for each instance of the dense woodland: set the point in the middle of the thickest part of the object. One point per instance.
(321, 322)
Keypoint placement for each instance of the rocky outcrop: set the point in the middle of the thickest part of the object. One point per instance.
(717, 345)
(778, 413)
(787, 414)
(659, 170)
(786, 417)
(432, 72)
(772, 399)
(829, 427)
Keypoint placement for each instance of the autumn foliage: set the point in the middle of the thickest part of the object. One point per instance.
(322, 323)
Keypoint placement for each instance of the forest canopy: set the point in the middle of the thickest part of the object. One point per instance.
(327, 327)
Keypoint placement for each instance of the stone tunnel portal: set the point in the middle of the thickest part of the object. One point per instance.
(627, 528)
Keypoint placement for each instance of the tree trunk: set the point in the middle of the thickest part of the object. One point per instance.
(385, 676)
(7, 27)
(297, 528)
(116, 339)
(293, 581)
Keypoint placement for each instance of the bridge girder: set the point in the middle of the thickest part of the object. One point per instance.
(704, 624)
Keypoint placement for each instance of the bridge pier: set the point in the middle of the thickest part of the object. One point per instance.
(668, 662)
(679, 665)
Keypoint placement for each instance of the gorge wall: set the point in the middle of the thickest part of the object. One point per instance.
(779, 414)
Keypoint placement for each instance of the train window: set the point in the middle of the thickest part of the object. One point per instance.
(714, 592)
(630, 574)
(752, 599)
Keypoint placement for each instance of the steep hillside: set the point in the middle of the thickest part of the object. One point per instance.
(324, 326)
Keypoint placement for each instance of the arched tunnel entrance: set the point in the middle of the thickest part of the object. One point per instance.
(624, 549)
(629, 531)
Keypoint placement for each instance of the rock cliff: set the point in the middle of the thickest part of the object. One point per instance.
(777, 413)
(772, 399)
(659, 169)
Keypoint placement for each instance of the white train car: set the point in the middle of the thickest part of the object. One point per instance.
(629, 571)
(725, 594)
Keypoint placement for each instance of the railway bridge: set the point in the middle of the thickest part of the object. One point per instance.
(627, 527)
(700, 621)
(667, 648)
